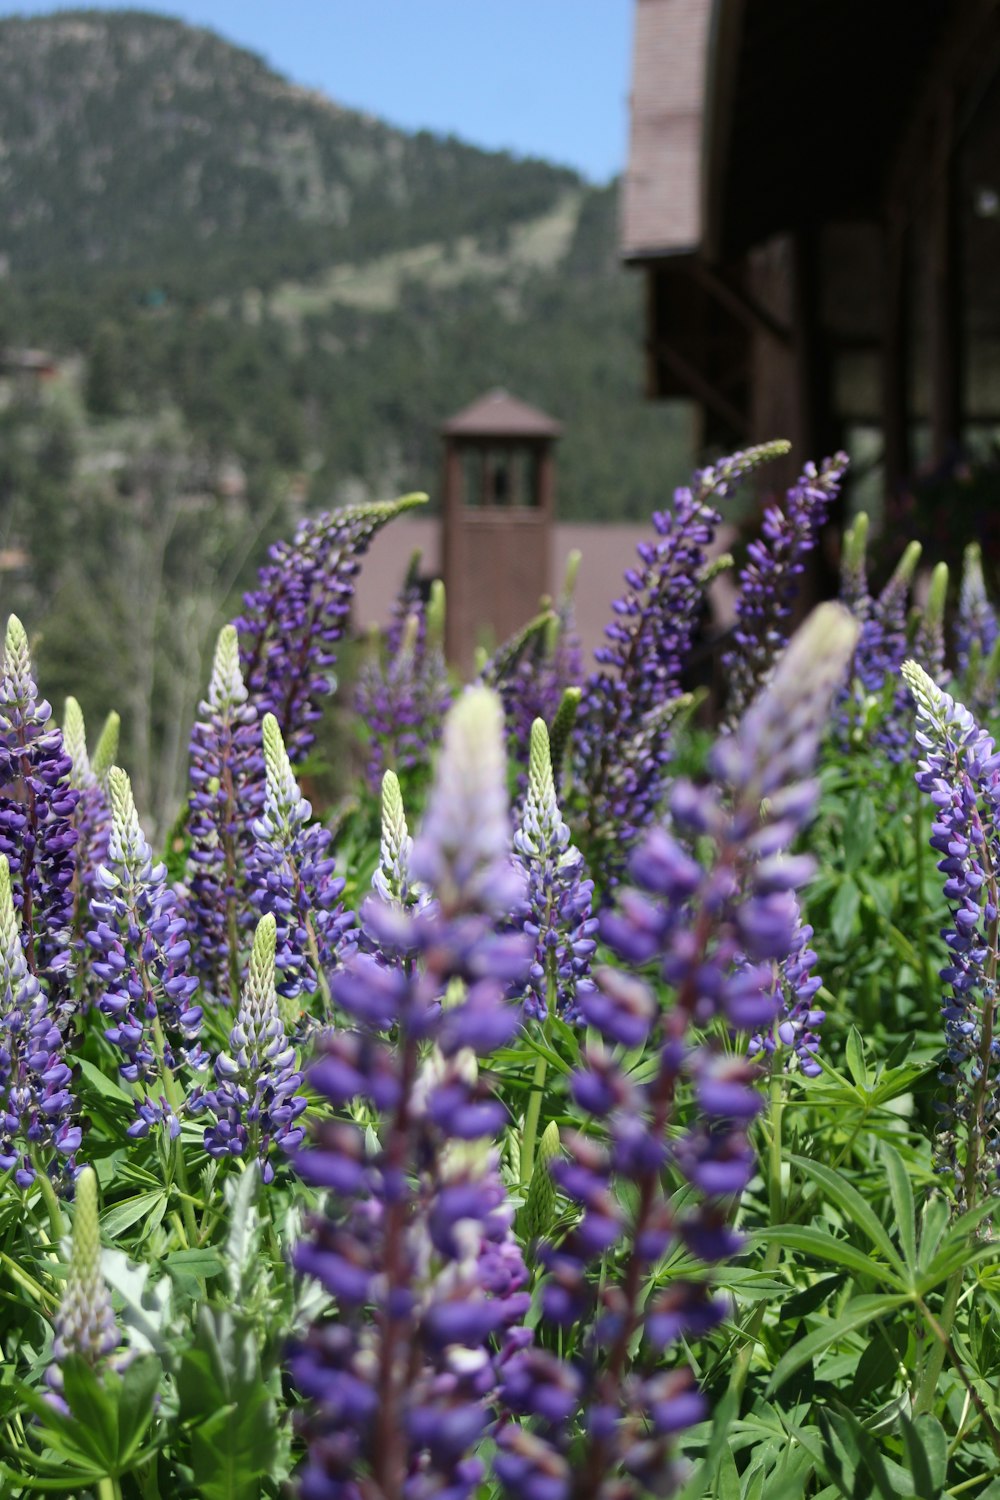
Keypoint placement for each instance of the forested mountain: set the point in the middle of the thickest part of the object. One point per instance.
(311, 289)
(253, 300)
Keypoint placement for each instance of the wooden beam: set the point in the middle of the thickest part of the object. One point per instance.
(964, 61)
(744, 307)
(699, 386)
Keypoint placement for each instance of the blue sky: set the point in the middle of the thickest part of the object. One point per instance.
(540, 77)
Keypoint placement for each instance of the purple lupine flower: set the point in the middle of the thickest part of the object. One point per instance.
(621, 742)
(714, 930)
(976, 628)
(290, 872)
(92, 821)
(534, 670)
(769, 580)
(854, 593)
(37, 1129)
(403, 694)
(227, 794)
(799, 1018)
(391, 879)
(960, 773)
(256, 1100)
(558, 918)
(873, 695)
(977, 635)
(37, 807)
(85, 1323)
(416, 1248)
(293, 620)
(928, 642)
(141, 958)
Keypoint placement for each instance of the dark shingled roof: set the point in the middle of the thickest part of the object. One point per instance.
(498, 415)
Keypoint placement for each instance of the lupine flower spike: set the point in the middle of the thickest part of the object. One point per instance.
(416, 1249)
(403, 692)
(882, 649)
(928, 643)
(769, 580)
(36, 1104)
(621, 742)
(255, 1101)
(977, 634)
(714, 932)
(391, 879)
(92, 821)
(533, 679)
(977, 628)
(853, 568)
(148, 995)
(290, 871)
(959, 774)
(106, 753)
(85, 1323)
(292, 621)
(227, 793)
(37, 807)
(558, 919)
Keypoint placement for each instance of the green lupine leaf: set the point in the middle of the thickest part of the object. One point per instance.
(933, 1222)
(855, 1054)
(927, 1454)
(844, 911)
(859, 1312)
(825, 1246)
(123, 1215)
(901, 1193)
(107, 1087)
(853, 1207)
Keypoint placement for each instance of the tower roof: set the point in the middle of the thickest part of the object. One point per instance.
(499, 415)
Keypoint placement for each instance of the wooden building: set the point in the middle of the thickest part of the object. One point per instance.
(813, 197)
(498, 509)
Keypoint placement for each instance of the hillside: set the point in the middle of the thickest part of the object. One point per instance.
(249, 300)
(311, 290)
(131, 138)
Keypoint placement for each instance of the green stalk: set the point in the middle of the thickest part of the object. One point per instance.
(975, 1135)
(531, 1114)
(926, 983)
(176, 1102)
(775, 1198)
(57, 1221)
(109, 1488)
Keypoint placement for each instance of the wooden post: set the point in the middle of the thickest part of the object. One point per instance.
(945, 293)
(895, 402)
(812, 417)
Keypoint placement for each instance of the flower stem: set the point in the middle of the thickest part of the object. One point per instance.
(531, 1114)
(176, 1102)
(741, 1364)
(926, 983)
(57, 1220)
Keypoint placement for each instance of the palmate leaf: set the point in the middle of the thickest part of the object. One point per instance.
(859, 1312)
(853, 1208)
(854, 1461)
(108, 1420)
(226, 1408)
(823, 1245)
(926, 1449)
(901, 1193)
